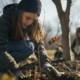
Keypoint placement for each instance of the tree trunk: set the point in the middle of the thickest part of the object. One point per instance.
(64, 20)
(65, 39)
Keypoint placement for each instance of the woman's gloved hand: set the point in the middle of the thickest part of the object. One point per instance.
(51, 70)
(20, 75)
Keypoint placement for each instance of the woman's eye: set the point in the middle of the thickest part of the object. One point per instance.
(28, 18)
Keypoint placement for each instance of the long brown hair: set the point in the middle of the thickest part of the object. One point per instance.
(37, 31)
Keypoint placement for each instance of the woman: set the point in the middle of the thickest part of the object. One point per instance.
(76, 45)
(21, 34)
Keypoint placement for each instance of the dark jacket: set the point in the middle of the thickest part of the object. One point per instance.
(58, 54)
(5, 36)
(73, 46)
(73, 50)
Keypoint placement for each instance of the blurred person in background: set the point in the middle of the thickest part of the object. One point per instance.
(75, 46)
(58, 55)
(59, 52)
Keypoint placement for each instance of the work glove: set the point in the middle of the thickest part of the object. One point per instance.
(20, 75)
(51, 71)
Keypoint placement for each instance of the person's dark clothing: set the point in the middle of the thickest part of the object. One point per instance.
(58, 54)
(6, 36)
(77, 56)
(73, 46)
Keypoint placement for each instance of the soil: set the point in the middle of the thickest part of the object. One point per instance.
(71, 69)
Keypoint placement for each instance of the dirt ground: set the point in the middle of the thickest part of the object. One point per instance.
(71, 69)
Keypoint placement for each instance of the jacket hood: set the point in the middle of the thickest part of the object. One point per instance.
(9, 9)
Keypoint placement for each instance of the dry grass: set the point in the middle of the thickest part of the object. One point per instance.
(50, 53)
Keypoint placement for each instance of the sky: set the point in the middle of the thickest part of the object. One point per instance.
(49, 15)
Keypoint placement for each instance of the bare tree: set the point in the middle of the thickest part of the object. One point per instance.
(64, 20)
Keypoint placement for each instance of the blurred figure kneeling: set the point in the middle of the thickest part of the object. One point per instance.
(58, 55)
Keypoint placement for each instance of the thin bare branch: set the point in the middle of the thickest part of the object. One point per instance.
(59, 7)
(67, 13)
(48, 32)
(73, 2)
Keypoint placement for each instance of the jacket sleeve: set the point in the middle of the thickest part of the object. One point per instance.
(6, 60)
(73, 46)
(40, 49)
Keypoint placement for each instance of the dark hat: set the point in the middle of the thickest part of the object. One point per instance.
(33, 6)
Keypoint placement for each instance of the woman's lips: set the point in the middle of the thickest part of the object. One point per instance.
(25, 26)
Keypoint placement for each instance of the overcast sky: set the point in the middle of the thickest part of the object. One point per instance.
(50, 9)
(50, 13)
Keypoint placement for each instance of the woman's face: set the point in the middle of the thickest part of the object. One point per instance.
(27, 19)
